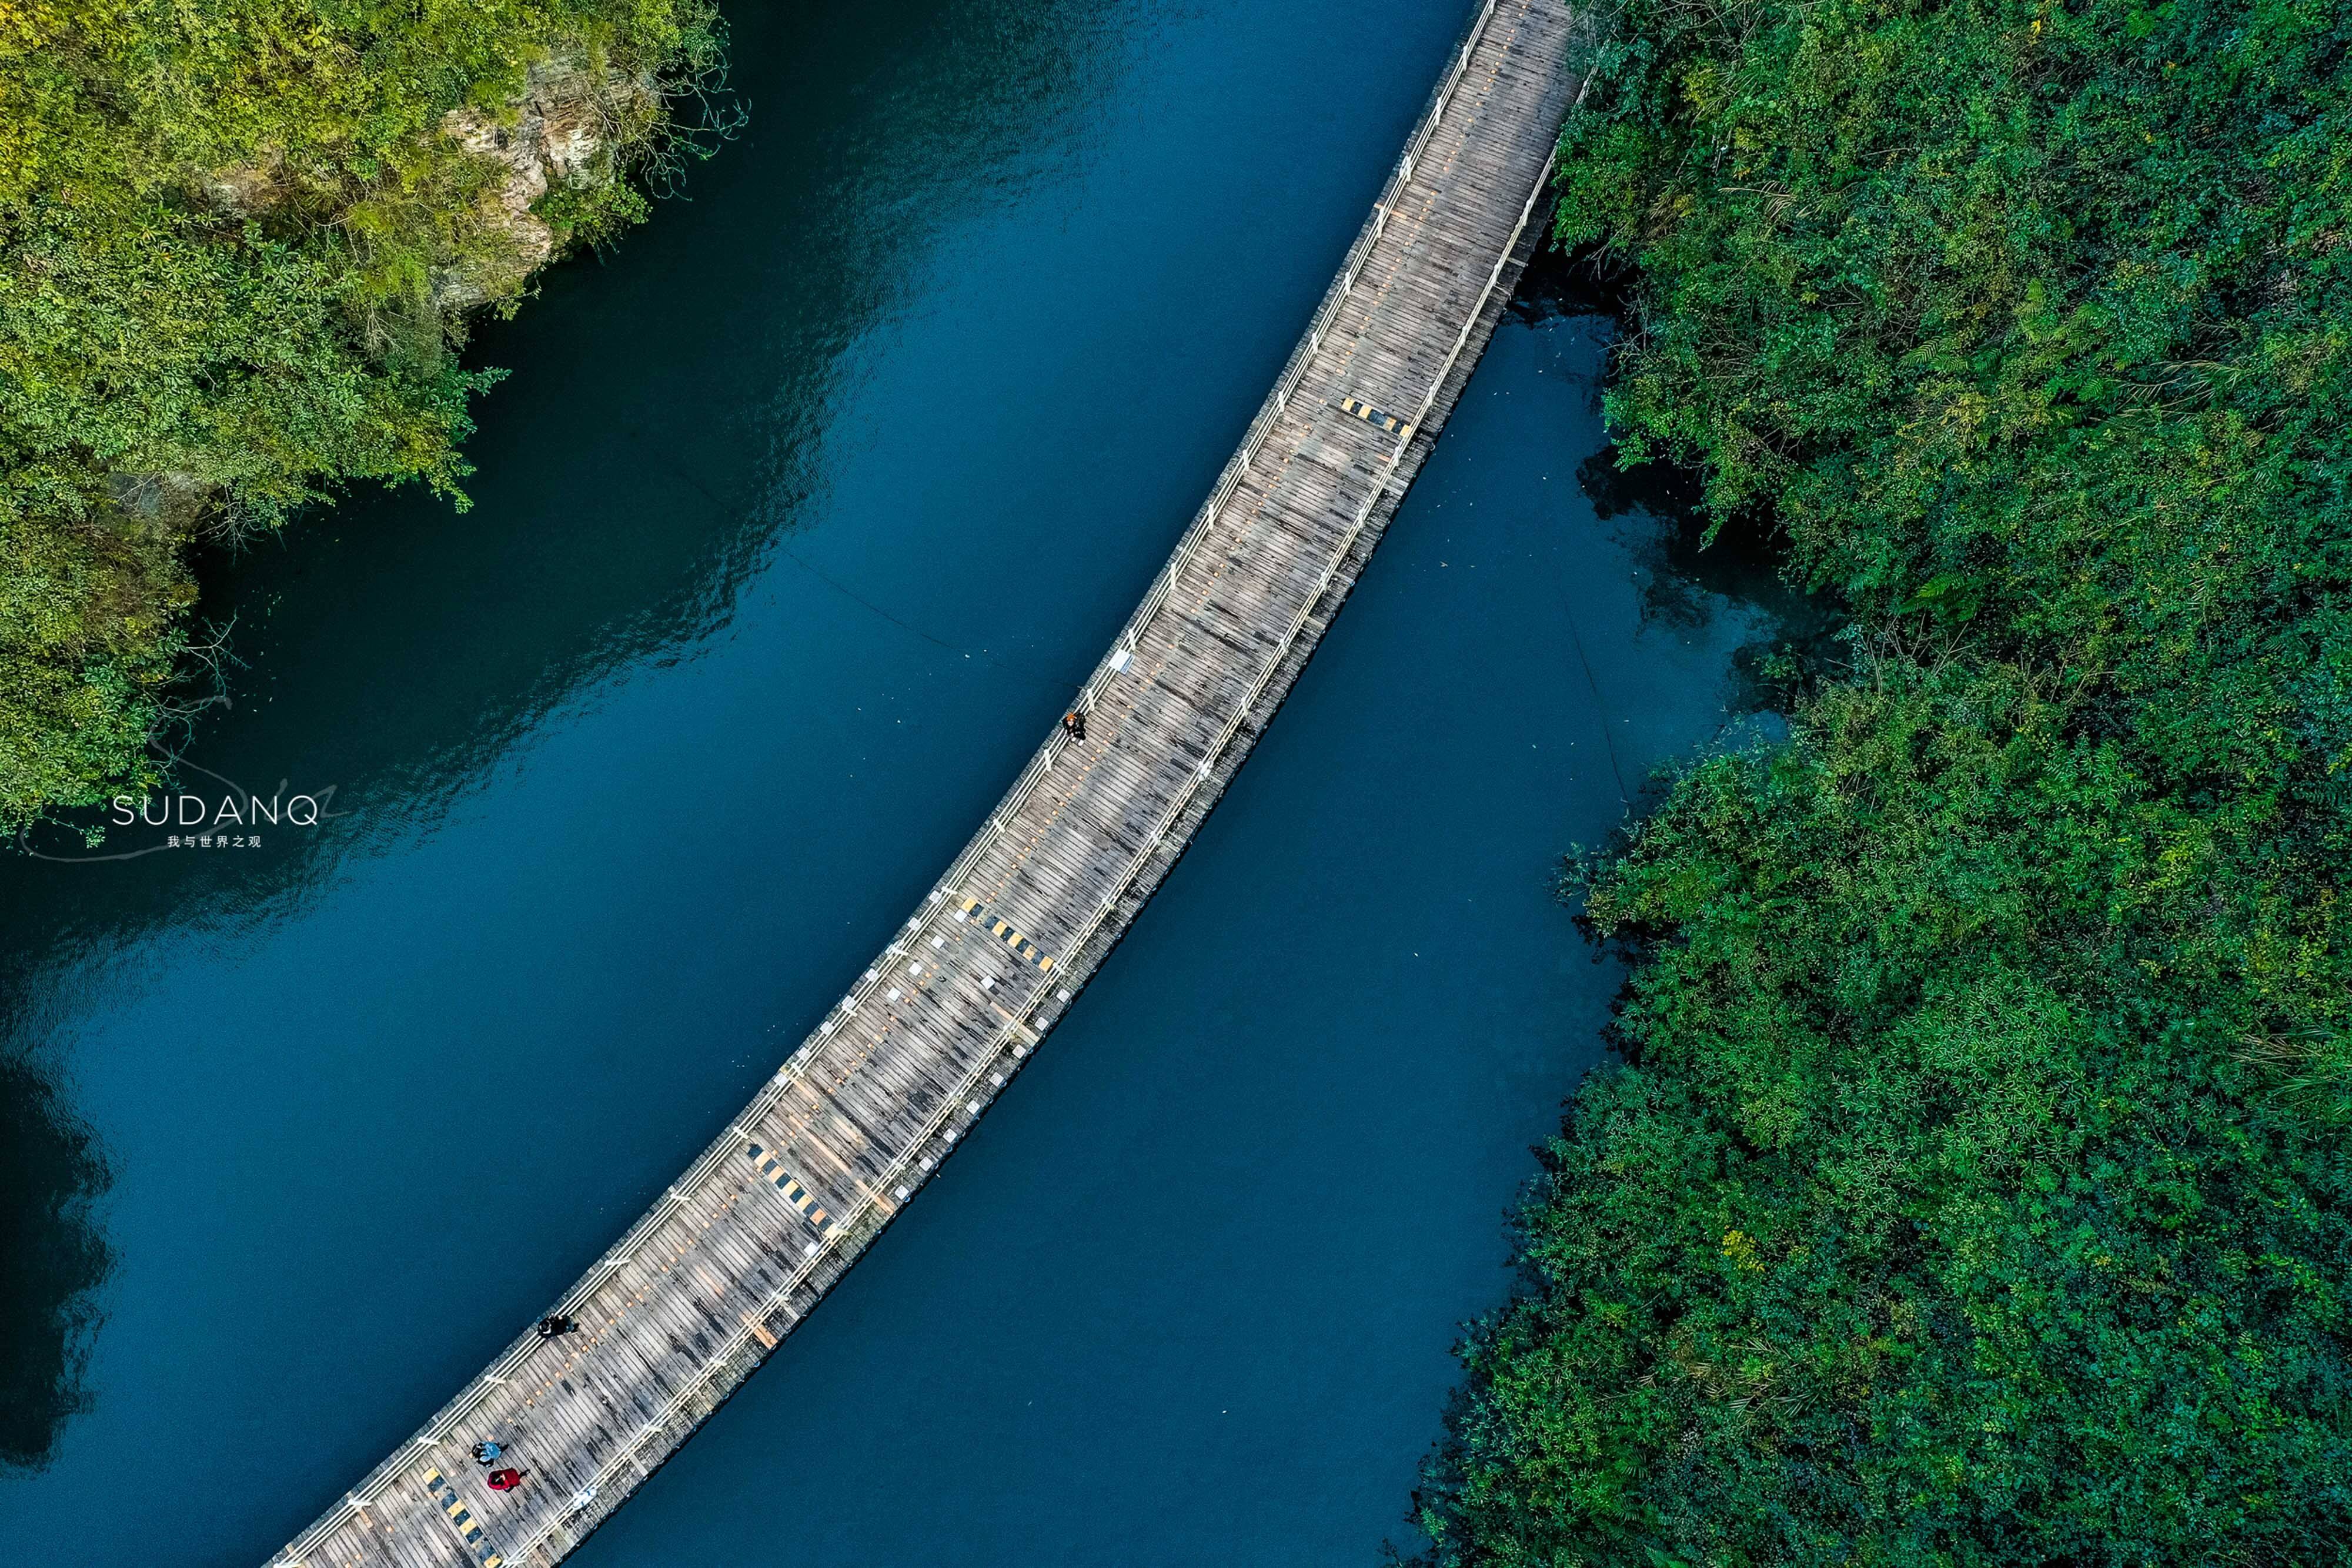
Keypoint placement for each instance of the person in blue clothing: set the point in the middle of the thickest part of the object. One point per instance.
(487, 1453)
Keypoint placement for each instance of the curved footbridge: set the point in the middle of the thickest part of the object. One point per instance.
(747, 1242)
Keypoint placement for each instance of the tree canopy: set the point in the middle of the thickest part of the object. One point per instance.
(238, 241)
(1972, 1187)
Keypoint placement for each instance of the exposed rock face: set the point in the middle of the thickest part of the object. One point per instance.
(248, 189)
(559, 133)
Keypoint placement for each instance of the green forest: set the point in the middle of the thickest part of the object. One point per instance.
(239, 240)
(1972, 1182)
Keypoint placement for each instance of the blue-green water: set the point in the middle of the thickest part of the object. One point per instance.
(789, 523)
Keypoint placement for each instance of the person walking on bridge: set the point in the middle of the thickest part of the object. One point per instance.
(1073, 724)
(505, 1480)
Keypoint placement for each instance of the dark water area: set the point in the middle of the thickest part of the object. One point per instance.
(52, 1259)
(792, 521)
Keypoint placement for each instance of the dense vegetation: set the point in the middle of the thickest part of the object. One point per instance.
(238, 242)
(1975, 1185)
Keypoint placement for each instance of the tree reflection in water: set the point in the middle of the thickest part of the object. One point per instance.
(52, 1259)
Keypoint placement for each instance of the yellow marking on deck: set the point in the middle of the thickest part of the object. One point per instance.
(799, 1196)
(1375, 417)
(461, 1517)
(1002, 930)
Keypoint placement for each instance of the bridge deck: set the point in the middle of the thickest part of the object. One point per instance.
(698, 1292)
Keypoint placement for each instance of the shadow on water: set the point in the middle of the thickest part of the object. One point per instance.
(52, 1259)
(1583, 282)
(1687, 578)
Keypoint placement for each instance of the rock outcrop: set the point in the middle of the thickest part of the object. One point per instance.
(564, 129)
(560, 132)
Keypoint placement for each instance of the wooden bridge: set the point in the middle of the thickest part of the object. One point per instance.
(742, 1248)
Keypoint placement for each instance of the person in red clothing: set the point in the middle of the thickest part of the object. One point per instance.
(505, 1480)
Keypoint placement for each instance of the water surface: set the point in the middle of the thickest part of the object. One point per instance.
(793, 521)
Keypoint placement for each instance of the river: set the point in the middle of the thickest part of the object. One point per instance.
(796, 518)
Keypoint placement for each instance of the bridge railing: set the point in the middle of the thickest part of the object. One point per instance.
(1310, 342)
